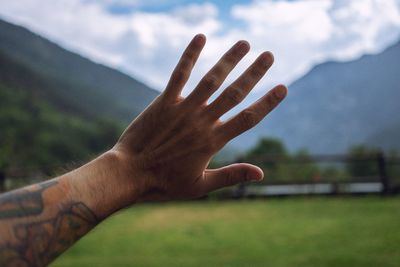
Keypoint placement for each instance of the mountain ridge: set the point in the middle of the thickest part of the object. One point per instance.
(337, 105)
(57, 107)
(76, 75)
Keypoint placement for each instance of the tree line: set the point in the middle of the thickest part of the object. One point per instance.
(360, 163)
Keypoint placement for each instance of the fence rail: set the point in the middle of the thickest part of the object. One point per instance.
(380, 183)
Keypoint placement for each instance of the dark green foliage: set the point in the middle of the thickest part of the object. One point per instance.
(266, 153)
(393, 169)
(359, 164)
(69, 81)
(269, 147)
(305, 169)
(35, 137)
(279, 166)
(365, 163)
(334, 173)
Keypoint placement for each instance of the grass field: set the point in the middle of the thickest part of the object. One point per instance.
(279, 232)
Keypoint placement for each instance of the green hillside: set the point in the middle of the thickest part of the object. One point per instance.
(57, 107)
(74, 81)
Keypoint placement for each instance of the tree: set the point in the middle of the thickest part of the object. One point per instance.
(267, 154)
(268, 146)
(306, 169)
(363, 163)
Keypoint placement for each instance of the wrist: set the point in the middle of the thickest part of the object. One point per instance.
(106, 184)
(126, 175)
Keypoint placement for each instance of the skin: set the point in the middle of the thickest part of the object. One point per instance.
(162, 155)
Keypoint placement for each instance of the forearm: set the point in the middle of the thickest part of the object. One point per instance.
(39, 222)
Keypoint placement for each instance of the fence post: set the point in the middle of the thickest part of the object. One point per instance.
(383, 174)
(2, 181)
(240, 188)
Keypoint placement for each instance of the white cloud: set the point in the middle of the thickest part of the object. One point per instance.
(147, 45)
(304, 33)
(84, 28)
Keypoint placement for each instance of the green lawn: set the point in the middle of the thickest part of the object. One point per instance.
(279, 232)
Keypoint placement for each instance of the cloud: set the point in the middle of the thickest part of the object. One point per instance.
(85, 28)
(148, 44)
(304, 33)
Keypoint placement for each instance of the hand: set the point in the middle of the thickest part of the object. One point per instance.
(162, 155)
(167, 148)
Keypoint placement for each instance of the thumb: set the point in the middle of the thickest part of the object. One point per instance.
(231, 175)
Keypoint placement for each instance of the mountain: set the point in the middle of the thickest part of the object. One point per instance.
(387, 138)
(57, 107)
(339, 104)
(72, 81)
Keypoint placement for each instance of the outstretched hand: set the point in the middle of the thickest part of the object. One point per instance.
(166, 150)
(162, 155)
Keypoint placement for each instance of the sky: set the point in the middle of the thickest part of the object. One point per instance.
(145, 38)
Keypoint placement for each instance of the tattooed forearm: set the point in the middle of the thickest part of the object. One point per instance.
(41, 242)
(24, 202)
(39, 222)
(35, 229)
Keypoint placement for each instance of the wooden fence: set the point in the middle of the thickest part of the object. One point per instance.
(378, 183)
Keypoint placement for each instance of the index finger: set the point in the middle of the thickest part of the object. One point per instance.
(182, 71)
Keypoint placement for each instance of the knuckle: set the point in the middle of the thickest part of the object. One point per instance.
(248, 118)
(180, 74)
(257, 71)
(211, 81)
(230, 178)
(186, 63)
(231, 59)
(183, 69)
(188, 55)
(272, 100)
(234, 95)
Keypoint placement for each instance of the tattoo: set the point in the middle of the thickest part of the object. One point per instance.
(39, 241)
(23, 202)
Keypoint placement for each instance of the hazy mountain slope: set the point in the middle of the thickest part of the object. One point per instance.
(337, 105)
(387, 138)
(37, 136)
(57, 107)
(73, 79)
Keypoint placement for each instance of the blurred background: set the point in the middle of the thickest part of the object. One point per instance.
(74, 73)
